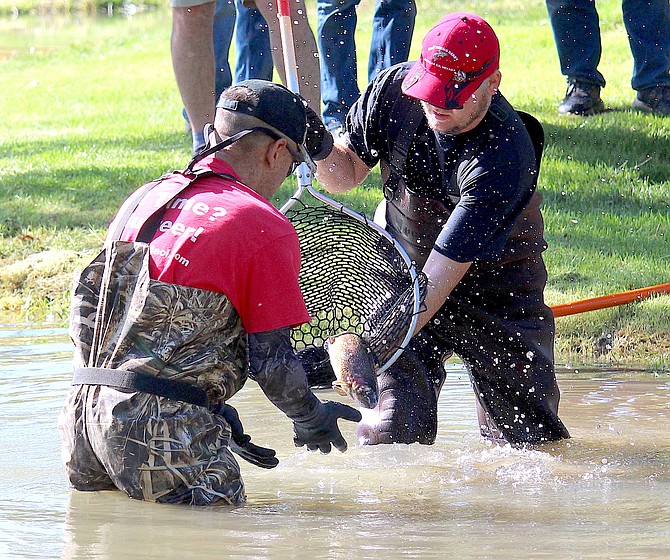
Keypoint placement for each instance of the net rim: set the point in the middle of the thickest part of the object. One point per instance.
(415, 277)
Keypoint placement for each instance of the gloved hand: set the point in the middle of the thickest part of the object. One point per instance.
(318, 430)
(241, 443)
(318, 141)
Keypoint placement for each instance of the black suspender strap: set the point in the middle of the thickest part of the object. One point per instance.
(131, 205)
(134, 381)
(407, 112)
(150, 225)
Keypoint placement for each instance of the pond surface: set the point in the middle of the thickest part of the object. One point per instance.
(603, 494)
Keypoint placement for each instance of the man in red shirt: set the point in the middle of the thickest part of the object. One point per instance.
(196, 288)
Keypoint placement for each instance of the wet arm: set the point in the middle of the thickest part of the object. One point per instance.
(279, 373)
(282, 378)
(443, 275)
(342, 170)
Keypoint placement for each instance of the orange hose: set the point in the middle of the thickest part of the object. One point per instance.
(611, 300)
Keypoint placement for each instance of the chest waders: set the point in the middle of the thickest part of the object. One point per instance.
(128, 329)
(495, 319)
(416, 221)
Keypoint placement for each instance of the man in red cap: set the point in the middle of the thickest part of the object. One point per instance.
(459, 168)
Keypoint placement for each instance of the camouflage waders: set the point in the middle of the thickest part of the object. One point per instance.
(153, 448)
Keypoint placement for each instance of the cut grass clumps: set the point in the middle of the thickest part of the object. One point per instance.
(33, 287)
(36, 271)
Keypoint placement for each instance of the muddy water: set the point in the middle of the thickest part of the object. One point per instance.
(603, 494)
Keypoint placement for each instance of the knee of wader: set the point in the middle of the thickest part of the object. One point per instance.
(406, 411)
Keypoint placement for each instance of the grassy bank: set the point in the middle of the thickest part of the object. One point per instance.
(90, 111)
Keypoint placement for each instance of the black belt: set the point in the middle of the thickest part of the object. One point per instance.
(122, 379)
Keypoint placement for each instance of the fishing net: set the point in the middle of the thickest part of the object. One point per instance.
(354, 278)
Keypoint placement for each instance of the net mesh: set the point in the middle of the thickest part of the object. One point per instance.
(353, 279)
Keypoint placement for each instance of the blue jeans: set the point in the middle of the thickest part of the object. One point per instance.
(392, 29)
(252, 44)
(576, 30)
(224, 25)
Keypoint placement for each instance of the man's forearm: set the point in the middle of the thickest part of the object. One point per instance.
(443, 275)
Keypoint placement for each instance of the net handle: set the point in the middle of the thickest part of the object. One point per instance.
(303, 172)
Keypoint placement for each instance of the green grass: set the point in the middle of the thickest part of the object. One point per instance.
(90, 111)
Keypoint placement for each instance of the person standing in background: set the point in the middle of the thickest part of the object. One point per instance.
(392, 30)
(193, 58)
(253, 58)
(253, 54)
(576, 28)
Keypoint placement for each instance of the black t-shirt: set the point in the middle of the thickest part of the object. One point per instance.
(485, 176)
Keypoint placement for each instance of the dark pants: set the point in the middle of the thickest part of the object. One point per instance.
(576, 28)
(392, 29)
(497, 323)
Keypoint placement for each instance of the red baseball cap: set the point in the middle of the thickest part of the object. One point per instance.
(457, 55)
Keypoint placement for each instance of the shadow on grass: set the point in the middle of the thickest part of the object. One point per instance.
(605, 187)
(52, 182)
(613, 140)
(76, 183)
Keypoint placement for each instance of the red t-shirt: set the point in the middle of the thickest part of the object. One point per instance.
(222, 236)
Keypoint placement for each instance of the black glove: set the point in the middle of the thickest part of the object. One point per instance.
(318, 141)
(241, 443)
(318, 430)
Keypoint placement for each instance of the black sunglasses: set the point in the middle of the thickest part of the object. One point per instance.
(297, 158)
